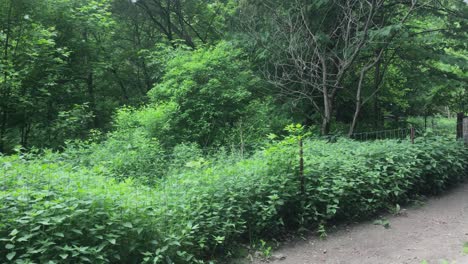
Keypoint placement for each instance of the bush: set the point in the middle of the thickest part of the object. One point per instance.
(154, 121)
(54, 213)
(52, 210)
(123, 154)
(211, 87)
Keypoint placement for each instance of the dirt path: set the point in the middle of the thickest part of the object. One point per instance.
(434, 232)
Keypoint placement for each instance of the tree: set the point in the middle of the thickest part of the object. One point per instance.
(194, 22)
(31, 66)
(211, 88)
(312, 47)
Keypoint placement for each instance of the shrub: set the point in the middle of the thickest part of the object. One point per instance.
(53, 210)
(154, 121)
(211, 87)
(123, 154)
(53, 213)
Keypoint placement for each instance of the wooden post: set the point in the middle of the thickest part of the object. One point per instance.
(465, 130)
(412, 135)
(460, 125)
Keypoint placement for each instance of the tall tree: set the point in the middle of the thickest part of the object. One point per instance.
(194, 22)
(311, 47)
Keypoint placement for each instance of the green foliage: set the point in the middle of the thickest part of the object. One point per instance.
(123, 154)
(149, 191)
(155, 121)
(71, 124)
(58, 56)
(437, 125)
(57, 211)
(262, 117)
(61, 215)
(211, 87)
(265, 249)
(383, 222)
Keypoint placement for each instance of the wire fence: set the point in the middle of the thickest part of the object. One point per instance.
(435, 127)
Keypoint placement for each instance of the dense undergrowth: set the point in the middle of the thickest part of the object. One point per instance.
(56, 211)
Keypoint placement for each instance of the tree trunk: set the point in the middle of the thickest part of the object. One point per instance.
(355, 118)
(327, 100)
(6, 90)
(148, 82)
(25, 129)
(357, 110)
(377, 81)
(460, 117)
(425, 121)
(325, 130)
(326, 119)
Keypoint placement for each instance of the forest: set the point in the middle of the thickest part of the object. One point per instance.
(176, 131)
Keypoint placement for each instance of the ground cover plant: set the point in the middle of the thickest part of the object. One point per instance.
(152, 131)
(55, 211)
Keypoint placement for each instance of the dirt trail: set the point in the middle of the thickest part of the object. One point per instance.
(434, 232)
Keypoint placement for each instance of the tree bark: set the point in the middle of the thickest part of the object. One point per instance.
(327, 115)
(327, 100)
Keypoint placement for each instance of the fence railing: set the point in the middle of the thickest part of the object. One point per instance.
(455, 129)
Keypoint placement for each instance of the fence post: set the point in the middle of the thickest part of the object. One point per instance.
(460, 117)
(465, 130)
(412, 134)
(301, 165)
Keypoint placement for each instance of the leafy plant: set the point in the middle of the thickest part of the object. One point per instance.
(383, 222)
(211, 87)
(322, 231)
(94, 210)
(265, 249)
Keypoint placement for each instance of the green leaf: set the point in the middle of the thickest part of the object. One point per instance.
(59, 234)
(25, 238)
(77, 231)
(14, 232)
(9, 246)
(11, 255)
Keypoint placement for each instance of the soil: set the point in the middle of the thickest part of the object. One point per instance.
(432, 233)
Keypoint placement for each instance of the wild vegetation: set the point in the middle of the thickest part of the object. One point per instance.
(153, 131)
(53, 210)
(222, 71)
